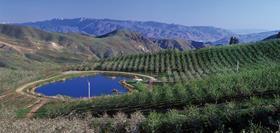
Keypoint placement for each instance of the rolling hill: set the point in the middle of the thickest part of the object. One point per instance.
(163, 44)
(28, 44)
(185, 66)
(179, 44)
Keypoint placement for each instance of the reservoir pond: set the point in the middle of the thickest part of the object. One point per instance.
(81, 87)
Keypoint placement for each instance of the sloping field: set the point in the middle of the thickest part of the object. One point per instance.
(174, 66)
(226, 88)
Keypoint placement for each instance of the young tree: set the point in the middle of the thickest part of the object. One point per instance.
(278, 35)
(233, 40)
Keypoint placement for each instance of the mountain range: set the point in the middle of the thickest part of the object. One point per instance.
(149, 29)
(97, 27)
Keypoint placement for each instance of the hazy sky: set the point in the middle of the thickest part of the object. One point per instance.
(230, 14)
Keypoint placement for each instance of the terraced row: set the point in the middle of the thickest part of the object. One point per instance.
(174, 66)
(240, 86)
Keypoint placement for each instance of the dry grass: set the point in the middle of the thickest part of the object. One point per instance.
(118, 123)
(44, 125)
(7, 112)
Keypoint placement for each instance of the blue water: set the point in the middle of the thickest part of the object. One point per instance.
(78, 87)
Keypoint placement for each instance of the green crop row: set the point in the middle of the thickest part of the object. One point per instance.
(227, 117)
(261, 82)
(191, 65)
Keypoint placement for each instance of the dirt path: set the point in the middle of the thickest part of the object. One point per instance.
(16, 47)
(21, 89)
(32, 104)
(42, 101)
(36, 107)
(111, 72)
(5, 95)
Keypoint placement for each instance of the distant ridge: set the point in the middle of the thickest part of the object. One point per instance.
(149, 29)
(247, 38)
(275, 36)
(120, 32)
(178, 44)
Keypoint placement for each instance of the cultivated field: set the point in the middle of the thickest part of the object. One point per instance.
(228, 88)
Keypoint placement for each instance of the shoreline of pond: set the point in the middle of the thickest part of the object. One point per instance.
(30, 88)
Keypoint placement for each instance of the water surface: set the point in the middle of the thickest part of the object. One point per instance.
(100, 84)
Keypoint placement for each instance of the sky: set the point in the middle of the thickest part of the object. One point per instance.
(229, 14)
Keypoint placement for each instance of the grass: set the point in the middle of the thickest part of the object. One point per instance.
(45, 125)
(21, 113)
(11, 79)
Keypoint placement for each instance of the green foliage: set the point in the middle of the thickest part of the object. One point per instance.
(224, 117)
(140, 87)
(257, 82)
(21, 113)
(198, 64)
